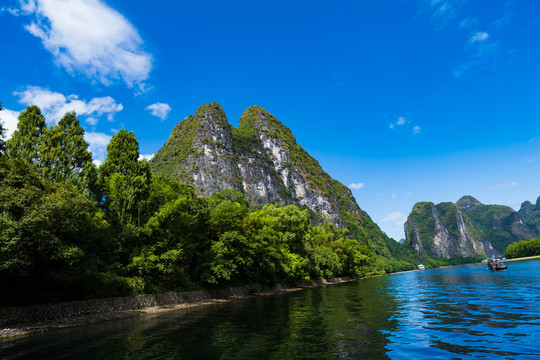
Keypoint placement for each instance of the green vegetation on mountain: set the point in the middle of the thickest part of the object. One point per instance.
(422, 224)
(531, 213)
(179, 146)
(523, 248)
(464, 231)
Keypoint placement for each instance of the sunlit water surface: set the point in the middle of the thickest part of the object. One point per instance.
(452, 313)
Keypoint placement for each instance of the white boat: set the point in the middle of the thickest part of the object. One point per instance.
(421, 267)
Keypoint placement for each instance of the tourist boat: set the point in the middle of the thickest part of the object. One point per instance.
(421, 267)
(494, 264)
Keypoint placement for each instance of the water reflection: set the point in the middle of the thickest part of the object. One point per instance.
(455, 312)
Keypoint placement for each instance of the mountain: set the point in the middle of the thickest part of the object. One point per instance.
(531, 214)
(261, 159)
(465, 229)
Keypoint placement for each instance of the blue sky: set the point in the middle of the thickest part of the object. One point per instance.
(404, 101)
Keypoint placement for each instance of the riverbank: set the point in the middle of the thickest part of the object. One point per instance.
(523, 258)
(57, 316)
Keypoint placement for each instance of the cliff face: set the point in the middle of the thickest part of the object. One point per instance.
(467, 228)
(261, 159)
(531, 214)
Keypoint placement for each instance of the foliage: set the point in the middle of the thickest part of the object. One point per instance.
(2, 134)
(531, 214)
(529, 247)
(243, 138)
(124, 181)
(494, 222)
(24, 142)
(64, 154)
(49, 235)
(178, 147)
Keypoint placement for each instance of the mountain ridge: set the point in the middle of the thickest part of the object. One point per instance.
(261, 159)
(464, 229)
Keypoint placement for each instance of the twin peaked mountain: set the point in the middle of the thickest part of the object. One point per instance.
(261, 159)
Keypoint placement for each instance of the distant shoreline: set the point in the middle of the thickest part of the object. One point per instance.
(524, 258)
(22, 329)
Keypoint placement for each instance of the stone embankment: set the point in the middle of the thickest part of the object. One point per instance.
(38, 318)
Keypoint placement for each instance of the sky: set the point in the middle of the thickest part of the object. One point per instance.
(403, 101)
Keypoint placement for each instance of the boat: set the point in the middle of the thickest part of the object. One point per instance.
(495, 264)
(421, 267)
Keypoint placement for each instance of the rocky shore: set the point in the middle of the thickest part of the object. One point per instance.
(17, 321)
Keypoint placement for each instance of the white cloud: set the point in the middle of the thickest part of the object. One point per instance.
(88, 37)
(479, 37)
(399, 122)
(160, 110)
(146, 157)
(9, 120)
(55, 105)
(97, 145)
(357, 186)
(503, 186)
(402, 123)
(395, 217)
(12, 11)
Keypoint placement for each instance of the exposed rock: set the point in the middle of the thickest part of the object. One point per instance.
(530, 213)
(465, 229)
(261, 159)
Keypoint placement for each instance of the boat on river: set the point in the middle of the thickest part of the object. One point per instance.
(421, 267)
(495, 264)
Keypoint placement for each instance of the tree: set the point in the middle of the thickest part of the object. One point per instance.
(25, 140)
(122, 155)
(50, 235)
(124, 180)
(174, 240)
(64, 154)
(2, 134)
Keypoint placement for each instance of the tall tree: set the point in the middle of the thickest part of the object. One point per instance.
(64, 153)
(122, 155)
(124, 180)
(26, 139)
(2, 134)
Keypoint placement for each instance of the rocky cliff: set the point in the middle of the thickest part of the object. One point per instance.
(261, 159)
(531, 214)
(465, 229)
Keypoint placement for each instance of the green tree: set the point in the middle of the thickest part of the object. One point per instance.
(122, 155)
(125, 181)
(64, 154)
(174, 240)
(279, 235)
(523, 248)
(50, 235)
(2, 134)
(228, 259)
(24, 142)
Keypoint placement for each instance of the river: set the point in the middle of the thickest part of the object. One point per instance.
(449, 313)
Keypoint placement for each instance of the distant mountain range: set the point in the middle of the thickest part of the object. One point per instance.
(468, 228)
